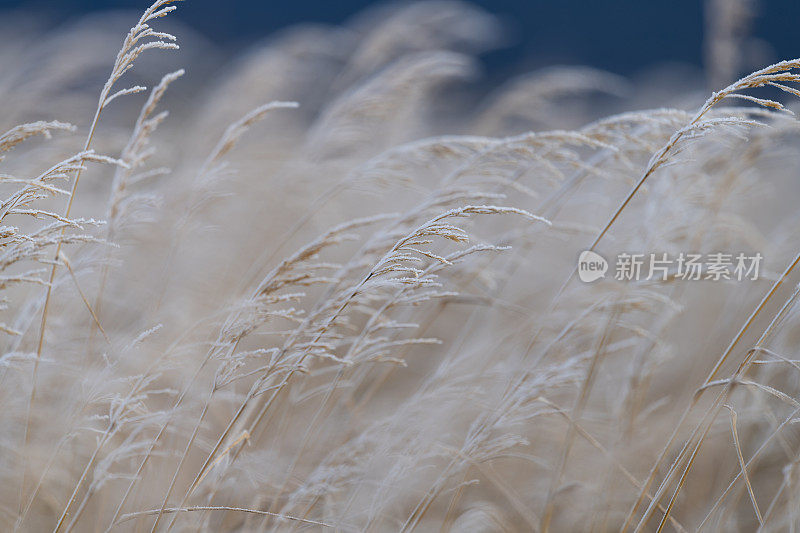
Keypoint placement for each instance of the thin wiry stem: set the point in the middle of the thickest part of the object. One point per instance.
(150, 512)
(738, 446)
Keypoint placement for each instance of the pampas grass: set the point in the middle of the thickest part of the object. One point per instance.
(325, 291)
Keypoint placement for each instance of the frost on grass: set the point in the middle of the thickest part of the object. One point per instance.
(320, 293)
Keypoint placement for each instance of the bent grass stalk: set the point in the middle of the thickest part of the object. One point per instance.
(130, 50)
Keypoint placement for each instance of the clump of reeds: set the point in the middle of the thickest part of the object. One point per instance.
(310, 299)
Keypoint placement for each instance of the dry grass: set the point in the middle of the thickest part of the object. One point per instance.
(361, 312)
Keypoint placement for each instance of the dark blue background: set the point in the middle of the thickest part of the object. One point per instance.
(623, 36)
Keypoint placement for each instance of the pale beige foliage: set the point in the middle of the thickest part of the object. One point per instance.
(325, 292)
